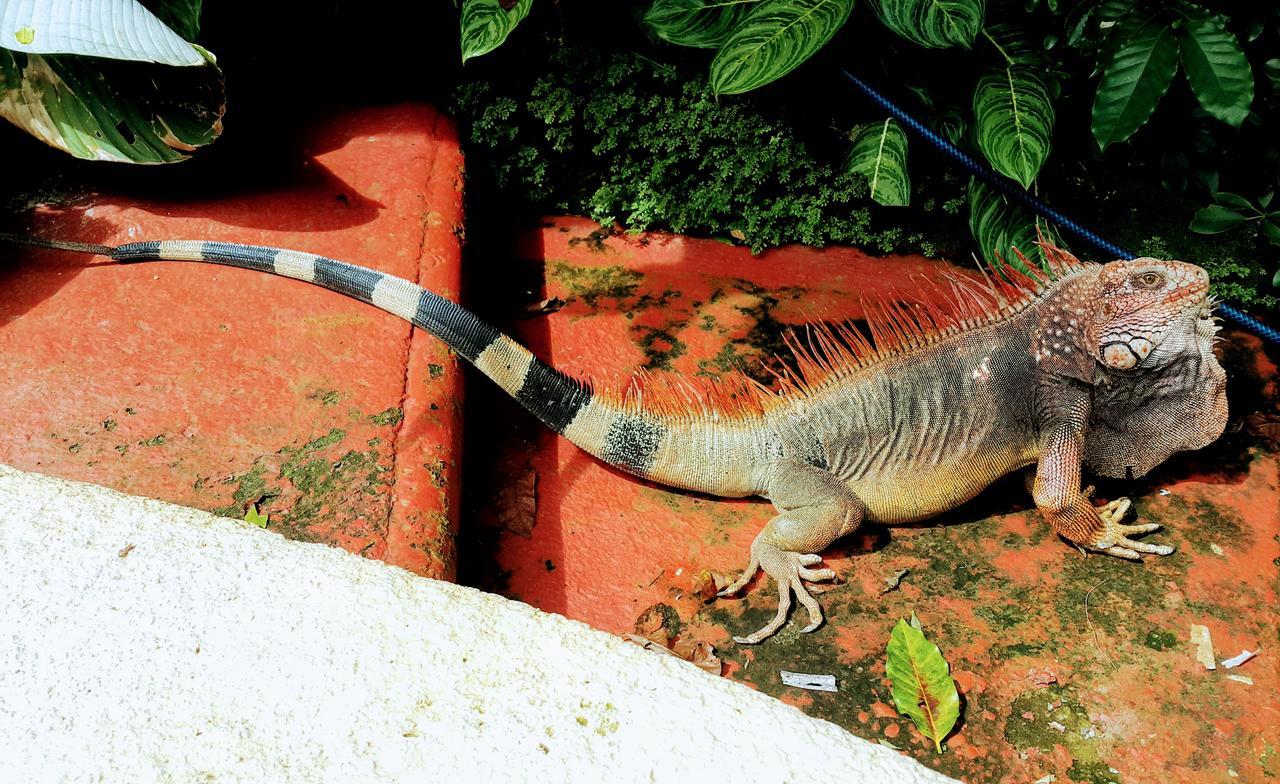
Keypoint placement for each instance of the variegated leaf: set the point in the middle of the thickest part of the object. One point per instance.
(776, 37)
(879, 153)
(704, 24)
(112, 111)
(1014, 114)
(115, 29)
(935, 24)
(486, 24)
(999, 227)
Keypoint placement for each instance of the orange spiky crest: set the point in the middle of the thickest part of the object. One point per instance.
(829, 352)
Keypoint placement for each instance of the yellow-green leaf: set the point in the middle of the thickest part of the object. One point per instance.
(486, 24)
(776, 37)
(1014, 114)
(935, 24)
(254, 517)
(879, 153)
(922, 685)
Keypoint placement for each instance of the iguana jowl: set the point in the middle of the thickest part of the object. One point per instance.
(1107, 367)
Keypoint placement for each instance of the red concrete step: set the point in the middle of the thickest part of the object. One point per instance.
(1038, 635)
(217, 387)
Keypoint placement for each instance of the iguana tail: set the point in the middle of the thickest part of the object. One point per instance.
(688, 450)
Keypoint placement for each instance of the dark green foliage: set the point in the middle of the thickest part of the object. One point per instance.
(624, 139)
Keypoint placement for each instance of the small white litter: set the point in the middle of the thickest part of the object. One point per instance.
(1245, 679)
(1236, 661)
(804, 680)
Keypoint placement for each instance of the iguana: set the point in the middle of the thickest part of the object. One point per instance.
(1108, 367)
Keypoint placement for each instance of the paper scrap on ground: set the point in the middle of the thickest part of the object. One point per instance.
(1245, 679)
(1236, 661)
(809, 681)
(1204, 646)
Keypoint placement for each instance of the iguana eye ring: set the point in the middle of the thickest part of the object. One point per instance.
(1151, 280)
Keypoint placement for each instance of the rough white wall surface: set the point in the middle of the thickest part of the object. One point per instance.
(215, 651)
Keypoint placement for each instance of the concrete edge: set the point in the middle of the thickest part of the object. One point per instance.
(143, 640)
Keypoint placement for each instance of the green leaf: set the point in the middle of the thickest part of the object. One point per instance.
(115, 29)
(1215, 219)
(181, 15)
(1014, 122)
(999, 227)
(776, 37)
(1272, 69)
(1136, 78)
(1233, 200)
(1216, 67)
(934, 24)
(485, 25)
(704, 24)
(255, 517)
(126, 112)
(922, 685)
(879, 153)
(1272, 229)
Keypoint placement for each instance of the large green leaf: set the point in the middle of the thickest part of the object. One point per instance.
(116, 29)
(1215, 219)
(935, 24)
(775, 37)
(999, 227)
(112, 111)
(922, 685)
(1216, 66)
(486, 24)
(1014, 115)
(879, 153)
(705, 24)
(1136, 78)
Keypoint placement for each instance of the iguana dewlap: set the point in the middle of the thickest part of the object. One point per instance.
(1106, 367)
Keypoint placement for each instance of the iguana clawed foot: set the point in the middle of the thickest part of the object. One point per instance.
(1114, 537)
(788, 570)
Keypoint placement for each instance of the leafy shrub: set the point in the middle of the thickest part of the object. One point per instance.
(624, 139)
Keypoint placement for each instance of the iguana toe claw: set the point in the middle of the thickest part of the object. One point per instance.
(789, 570)
(1115, 538)
(1115, 511)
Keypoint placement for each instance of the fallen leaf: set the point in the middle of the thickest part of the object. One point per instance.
(701, 654)
(922, 686)
(549, 305)
(708, 584)
(1265, 426)
(254, 517)
(516, 503)
(652, 625)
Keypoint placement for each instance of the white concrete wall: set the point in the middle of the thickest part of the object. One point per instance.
(215, 651)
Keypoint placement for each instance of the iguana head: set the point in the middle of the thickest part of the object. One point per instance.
(1158, 386)
(1150, 312)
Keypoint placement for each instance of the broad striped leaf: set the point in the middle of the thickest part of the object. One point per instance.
(1014, 114)
(704, 24)
(879, 153)
(776, 37)
(922, 685)
(116, 29)
(486, 24)
(1136, 78)
(998, 227)
(934, 24)
(1216, 66)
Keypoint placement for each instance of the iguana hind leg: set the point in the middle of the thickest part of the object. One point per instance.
(815, 508)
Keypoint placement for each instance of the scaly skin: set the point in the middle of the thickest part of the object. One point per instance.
(1108, 367)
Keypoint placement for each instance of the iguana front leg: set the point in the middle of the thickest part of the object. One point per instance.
(815, 509)
(1057, 494)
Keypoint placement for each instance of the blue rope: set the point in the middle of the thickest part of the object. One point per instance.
(1029, 200)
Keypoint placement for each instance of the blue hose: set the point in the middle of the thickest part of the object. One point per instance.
(1029, 200)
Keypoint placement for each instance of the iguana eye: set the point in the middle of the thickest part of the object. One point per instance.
(1151, 280)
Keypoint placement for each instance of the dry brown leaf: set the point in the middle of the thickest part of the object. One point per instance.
(652, 625)
(1265, 426)
(708, 584)
(516, 504)
(700, 654)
